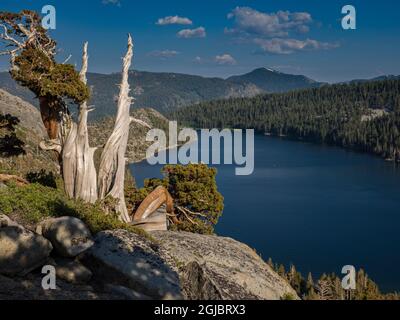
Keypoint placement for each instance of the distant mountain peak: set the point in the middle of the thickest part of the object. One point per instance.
(264, 69)
(270, 69)
(271, 80)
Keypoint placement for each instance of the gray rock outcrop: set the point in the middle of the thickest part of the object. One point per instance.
(30, 288)
(176, 265)
(182, 264)
(68, 235)
(30, 131)
(213, 267)
(123, 258)
(21, 250)
(124, 292)
(71, 271)
(24, 111)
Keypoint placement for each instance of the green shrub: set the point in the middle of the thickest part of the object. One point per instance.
(10, 142)
(193, 187)
(42, 177)
(35, 202)
(95, 218)
(288, 296)
(30, 203)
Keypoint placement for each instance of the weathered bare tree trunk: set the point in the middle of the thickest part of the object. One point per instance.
(70, 140)
(77, 156)
(86, 180)
(68, 155)
(79, 173)
(112, 164)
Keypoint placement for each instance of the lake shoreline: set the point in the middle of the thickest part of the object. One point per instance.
(312, 190)
(312, 141)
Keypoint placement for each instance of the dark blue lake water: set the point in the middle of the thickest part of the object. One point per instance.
(317, 207)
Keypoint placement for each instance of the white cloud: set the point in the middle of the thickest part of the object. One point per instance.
(163, 54)
(113, 2)
(273, 32)
(199, 32)
(225, 59)
(279, 24)
(303, 29)
(288, 46)
(174, 20)
(198, 59)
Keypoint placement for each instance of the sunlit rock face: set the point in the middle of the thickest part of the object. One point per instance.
(213, 267)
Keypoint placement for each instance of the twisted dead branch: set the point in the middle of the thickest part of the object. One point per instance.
(112, 163)
(69, 139)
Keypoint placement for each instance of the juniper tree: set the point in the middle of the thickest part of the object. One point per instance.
(33, 65)
(197, 202)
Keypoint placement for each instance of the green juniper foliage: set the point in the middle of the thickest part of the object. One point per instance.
(192, 186)
(34, 66)
(45, 77)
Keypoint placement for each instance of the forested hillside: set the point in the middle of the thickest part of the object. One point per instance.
(165, 91)
(160, 91)
(360, 116)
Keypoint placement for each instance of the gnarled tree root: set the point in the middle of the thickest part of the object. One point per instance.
(147, 215)
(18, 180)
(152, 202)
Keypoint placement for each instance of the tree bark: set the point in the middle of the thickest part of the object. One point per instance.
(68, 157)
(49, 109)
(112, 164)
(153, 201)
(86, 180)
(71, 141)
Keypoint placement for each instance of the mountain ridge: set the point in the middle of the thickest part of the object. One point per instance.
(168, 91)
(164, 91)
(273, 81)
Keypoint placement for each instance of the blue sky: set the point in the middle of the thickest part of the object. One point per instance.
(223, 38)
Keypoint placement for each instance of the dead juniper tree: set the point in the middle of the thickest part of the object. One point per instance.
(33, 65)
